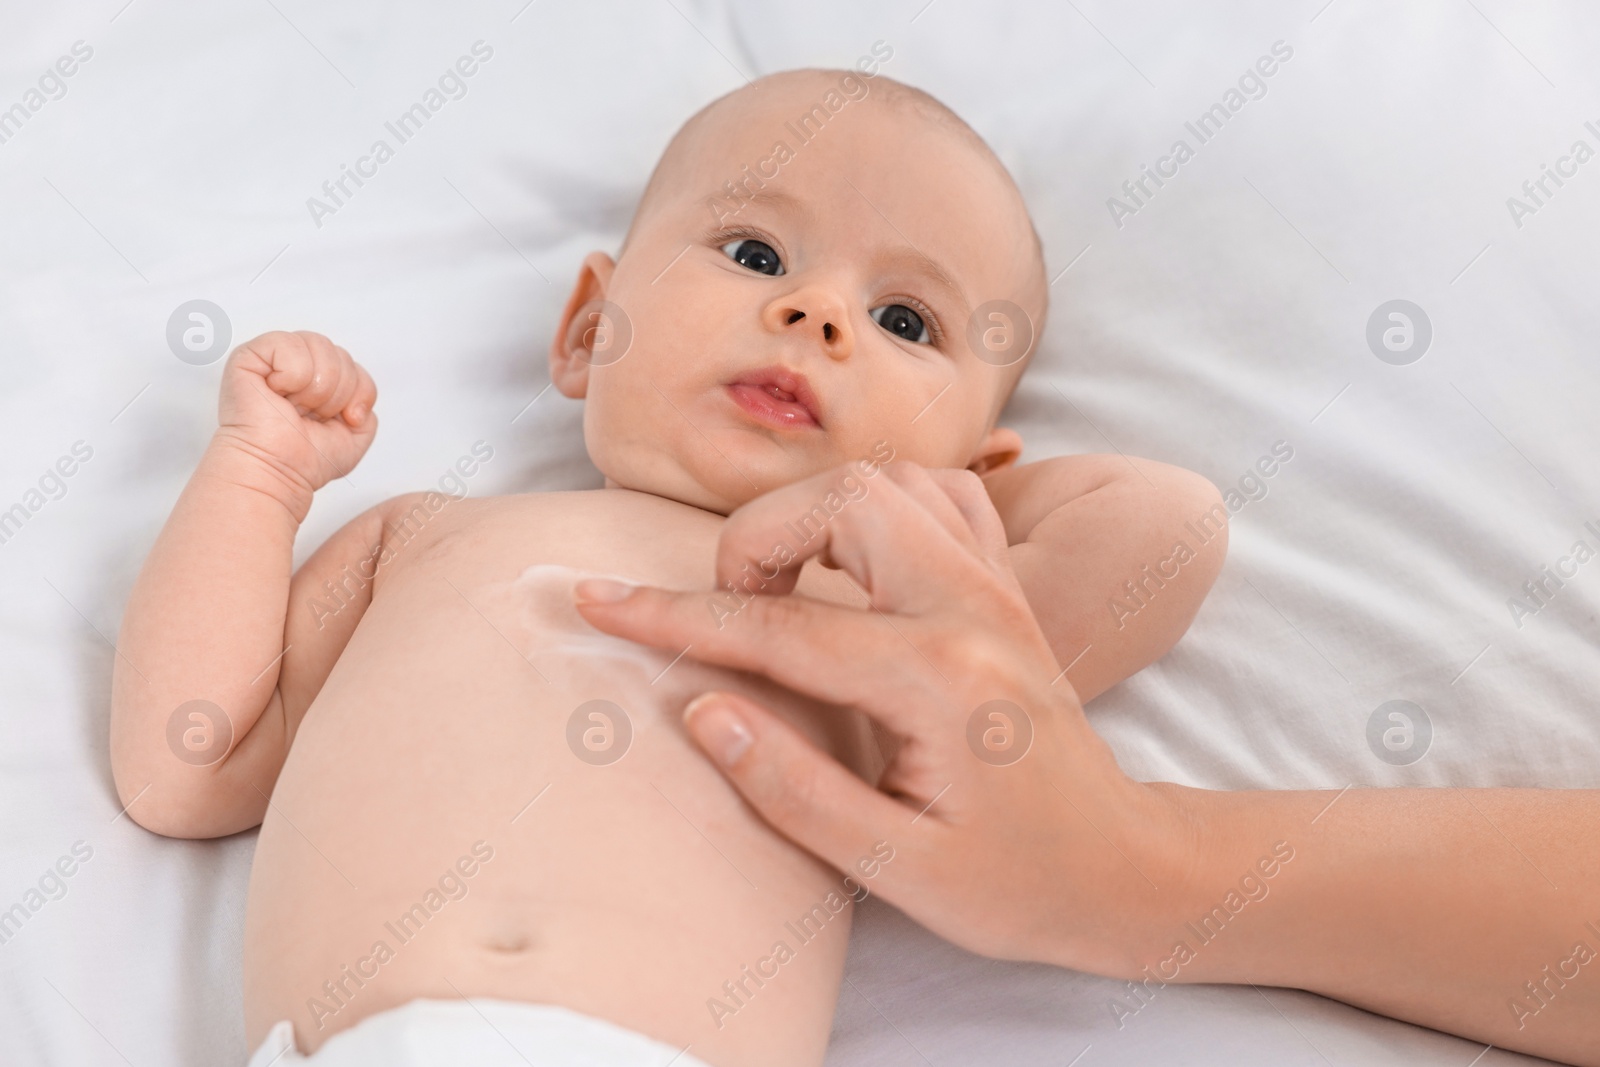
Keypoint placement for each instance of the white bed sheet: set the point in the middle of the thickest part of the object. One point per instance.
(1227, 314)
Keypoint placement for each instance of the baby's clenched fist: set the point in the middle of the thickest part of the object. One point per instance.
(299, 404)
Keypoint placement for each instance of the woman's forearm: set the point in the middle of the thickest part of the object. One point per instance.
(1474, 911)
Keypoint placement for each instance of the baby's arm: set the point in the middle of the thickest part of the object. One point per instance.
(1081, 527)
(210, 617)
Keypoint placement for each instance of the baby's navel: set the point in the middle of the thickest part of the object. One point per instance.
(508, 943)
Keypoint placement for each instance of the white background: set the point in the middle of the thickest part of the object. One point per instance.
(1228, 314)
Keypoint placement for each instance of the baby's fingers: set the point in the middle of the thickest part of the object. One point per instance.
(362, 400)
(343, 372)
(317, 393)
(286, 361)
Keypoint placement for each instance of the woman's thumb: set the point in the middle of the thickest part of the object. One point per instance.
(805, 794)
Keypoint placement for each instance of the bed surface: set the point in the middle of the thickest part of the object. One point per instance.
(1224, 314)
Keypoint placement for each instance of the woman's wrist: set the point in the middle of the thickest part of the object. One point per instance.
(1184, 849)
(1165, 841)
(1200, 869)
(1235, 853)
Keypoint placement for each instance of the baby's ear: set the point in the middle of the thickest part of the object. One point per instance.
(999, 450)
(572, 348)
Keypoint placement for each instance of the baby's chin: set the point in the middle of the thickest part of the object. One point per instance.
(720, 490)
(718, 499)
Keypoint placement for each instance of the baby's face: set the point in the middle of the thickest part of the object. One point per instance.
(821, 320)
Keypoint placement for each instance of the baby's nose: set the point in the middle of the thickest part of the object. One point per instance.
(816, 315)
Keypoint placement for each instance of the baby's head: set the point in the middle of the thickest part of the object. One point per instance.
(824, 267)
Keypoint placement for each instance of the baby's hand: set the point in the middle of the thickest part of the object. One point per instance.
(300, 404)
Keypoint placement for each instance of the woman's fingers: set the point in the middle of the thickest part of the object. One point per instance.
(970, 497)
(807, 795)
(908, 543)
(836, 654)
(774, 534)
(863, 524)
(935, 491)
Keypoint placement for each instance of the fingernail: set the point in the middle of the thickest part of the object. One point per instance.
(718, 728)
(603, 590)
(357, 413)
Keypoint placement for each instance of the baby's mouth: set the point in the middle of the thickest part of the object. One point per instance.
(777, 397)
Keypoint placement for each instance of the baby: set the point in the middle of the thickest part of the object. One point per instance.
(485, 836)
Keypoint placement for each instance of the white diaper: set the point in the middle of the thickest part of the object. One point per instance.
(490, 1033)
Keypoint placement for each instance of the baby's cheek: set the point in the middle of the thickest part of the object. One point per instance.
(615, 420)
(918, 434)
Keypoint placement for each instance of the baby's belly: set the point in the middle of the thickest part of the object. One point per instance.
(491, 799)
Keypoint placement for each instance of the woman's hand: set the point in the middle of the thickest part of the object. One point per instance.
(1358, 894)
(1014, 832)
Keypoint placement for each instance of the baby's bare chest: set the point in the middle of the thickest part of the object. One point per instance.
(642, 537)
(472, 661)
(634, 536)
(476, 609)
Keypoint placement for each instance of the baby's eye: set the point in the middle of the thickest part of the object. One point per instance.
(756, 255)
(901, 321)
